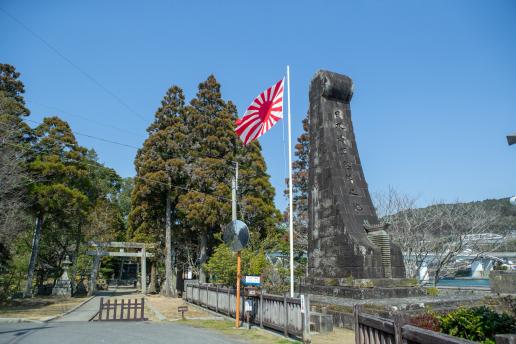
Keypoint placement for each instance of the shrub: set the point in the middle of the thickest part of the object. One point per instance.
(478, 324)
(432, 291)
(427, 321)
(222, 264)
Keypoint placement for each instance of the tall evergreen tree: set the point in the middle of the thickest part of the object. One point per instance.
(61, 178)
(206, 206)
(300, 186)
(14, 149)
(255, 192)
(185, 168)
(161, 166)
(216, 147)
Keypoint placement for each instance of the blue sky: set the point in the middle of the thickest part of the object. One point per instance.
(435, 81)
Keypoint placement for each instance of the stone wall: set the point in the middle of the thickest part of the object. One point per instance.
(503, 282)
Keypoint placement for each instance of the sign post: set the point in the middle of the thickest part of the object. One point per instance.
(236, 236)
(237, 316)
(182, 310)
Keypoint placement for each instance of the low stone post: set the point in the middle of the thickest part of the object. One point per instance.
(94, 273)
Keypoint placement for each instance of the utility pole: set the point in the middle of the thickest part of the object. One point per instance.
(234, 187)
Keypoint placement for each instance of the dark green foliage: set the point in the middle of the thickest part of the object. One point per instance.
(14, 148)
(190, 152)
(478, 324)
(45, 174)
(57, 166)
(10, 84)
(160, 163)
(300, 188)
(222, 265)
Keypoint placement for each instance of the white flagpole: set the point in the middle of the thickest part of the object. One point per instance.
(291, 212)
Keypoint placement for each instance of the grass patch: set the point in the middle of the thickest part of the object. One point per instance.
(38, 308)
(226, 327)
(168, 307)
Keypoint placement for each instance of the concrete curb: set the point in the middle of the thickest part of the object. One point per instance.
(18, 320)
(68, 311)
(44, 320)
(157, 313)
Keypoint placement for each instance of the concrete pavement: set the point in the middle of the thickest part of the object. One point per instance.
(75, 328)
(87, 310)
(108, 332)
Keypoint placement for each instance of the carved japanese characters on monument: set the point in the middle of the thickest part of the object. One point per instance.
(346, 238)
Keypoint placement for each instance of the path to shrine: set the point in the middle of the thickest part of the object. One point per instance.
(75, 328)
(107, 332)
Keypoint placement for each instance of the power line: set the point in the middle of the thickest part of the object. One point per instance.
(94, 137)
(112, 142)
(83, 117)
(99, 166)
(79, 69)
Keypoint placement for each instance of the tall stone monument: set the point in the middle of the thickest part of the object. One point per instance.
(346, 240)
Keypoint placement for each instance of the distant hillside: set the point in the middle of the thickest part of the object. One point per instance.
(507, 211)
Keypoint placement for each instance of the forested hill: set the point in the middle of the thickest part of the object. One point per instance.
(505, 210)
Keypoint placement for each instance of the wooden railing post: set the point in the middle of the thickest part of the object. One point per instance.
(207, 298)
(229, 302)
(306, 321)
(107, 309)
(143, 309)
(398, 323)
(217, 299)
(261, 310)
(356, 323)
(285, 330)
(101, 308)
(122, 310)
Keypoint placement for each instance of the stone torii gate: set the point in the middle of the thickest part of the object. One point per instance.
(102, 249)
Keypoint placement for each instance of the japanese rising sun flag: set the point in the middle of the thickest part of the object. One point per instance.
(262, 114)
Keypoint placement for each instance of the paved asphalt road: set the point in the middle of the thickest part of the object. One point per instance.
(107, 332)
(90, 308)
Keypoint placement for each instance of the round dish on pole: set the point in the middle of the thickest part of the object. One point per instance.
(236, 235)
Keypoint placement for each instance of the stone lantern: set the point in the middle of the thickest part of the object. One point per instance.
(63, 285)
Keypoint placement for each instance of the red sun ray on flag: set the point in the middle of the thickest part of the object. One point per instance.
(263, 113)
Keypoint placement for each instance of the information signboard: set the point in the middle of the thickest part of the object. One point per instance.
(252, 280)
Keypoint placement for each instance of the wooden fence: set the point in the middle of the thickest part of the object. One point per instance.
(125, 310)
(371, 329)
(280, 313)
